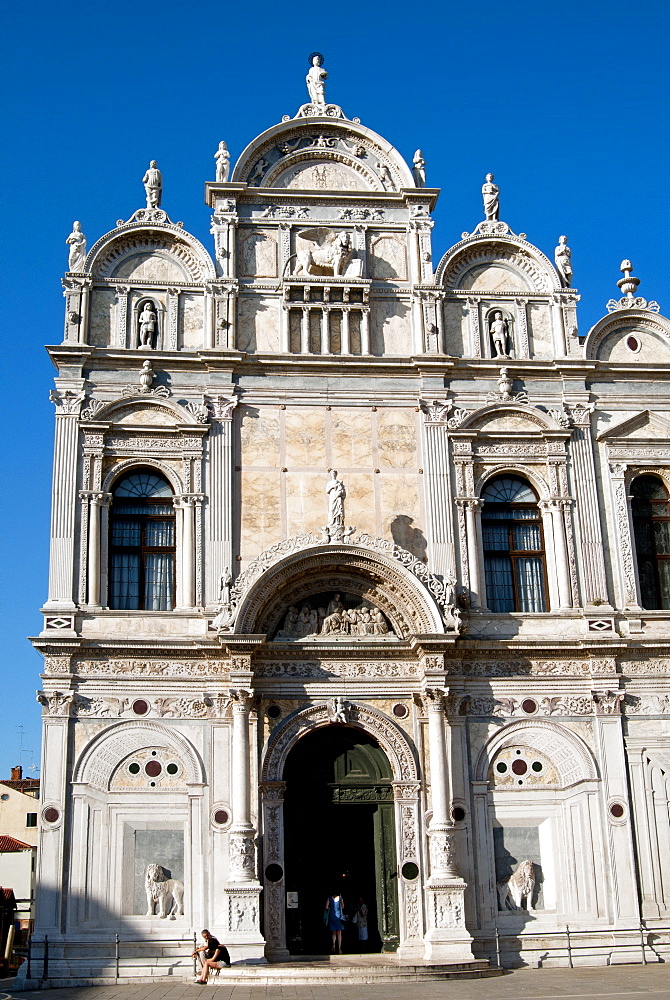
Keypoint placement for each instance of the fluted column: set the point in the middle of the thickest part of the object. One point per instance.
(437, 493)
(325, 339)
(440, 832)
(550, 555)
(96, 501)
(561, 553)
(447, 938)
(63, 510)
(241, 839)
(188, 551)
(219, 556)
(304, 331)
(588, 509)
(365, 331)
(473, 532)
(345, 348)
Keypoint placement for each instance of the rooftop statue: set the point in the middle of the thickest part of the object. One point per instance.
(316, 79)
(419, 170)
(562, 259)
(490, 193)
(222, 157)
(77, 243)
(153, 185)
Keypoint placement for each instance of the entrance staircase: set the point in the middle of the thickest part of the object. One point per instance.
(172, 965)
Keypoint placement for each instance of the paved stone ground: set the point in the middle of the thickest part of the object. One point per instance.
(634, 981)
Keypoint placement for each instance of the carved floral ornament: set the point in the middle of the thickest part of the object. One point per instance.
(390, 737)
(503, 250)
(420, 590)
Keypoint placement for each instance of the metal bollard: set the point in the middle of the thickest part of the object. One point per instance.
(45, 962)
(116, 953)
(195, 959)
(30, 949)
(642, 934)
(567, 934)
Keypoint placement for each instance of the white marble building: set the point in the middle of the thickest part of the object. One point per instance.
(360, 577)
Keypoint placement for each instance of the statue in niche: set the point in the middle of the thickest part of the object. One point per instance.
(332, 255)
(153, 185)
(419, 170)
(491, 196)
(316, 79)
(519, 887)
(164, 892)
(77, 243)
(499, 330)
(222, 157)
(147, 325)
(562, 259)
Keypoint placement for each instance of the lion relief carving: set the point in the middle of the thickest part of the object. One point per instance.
(164, 892)
(518, 887)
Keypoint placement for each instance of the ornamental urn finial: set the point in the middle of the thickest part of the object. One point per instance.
(628, 284)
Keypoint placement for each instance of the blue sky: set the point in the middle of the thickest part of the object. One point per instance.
(567, 103)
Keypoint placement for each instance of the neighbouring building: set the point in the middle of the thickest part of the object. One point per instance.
(360, 578)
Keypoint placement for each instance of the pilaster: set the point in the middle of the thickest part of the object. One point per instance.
(219, 512)
(68, 397)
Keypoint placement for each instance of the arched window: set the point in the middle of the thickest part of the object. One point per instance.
(651, 526)
(513, 547)
(142, 543)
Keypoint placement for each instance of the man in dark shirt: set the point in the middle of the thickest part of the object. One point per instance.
(214, 955)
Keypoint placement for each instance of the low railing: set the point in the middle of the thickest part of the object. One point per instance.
(34, 957)
(573, 945)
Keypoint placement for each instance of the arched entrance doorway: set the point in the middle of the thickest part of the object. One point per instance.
(339, 835)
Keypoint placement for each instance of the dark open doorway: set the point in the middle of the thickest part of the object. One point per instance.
(340, 836)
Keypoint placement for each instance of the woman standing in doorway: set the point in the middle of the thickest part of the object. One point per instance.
(335, 911)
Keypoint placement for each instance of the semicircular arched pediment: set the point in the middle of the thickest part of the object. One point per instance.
(569, 755)
(493, 265)
(150, 254)
(371, 579)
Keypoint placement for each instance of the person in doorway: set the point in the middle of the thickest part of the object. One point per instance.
(335, 911)
(361, 919)
(213, 955)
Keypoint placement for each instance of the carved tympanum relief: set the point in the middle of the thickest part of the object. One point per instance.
(334, 614)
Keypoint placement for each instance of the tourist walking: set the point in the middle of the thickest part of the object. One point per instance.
(335, 917)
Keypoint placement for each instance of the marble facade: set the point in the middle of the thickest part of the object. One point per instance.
(321, 335)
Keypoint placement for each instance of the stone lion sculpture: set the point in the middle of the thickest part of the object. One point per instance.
(162, 890)
(333, 254)
(519, 886)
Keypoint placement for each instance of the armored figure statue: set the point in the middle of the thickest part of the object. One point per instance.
(222, 157)
(419, 170)
(316, 79)
(153, 185)
(499, 334)
(490, 193)
(147, 321)
(77, 243)
(562, 259)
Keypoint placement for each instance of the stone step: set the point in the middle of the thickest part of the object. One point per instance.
(284, 974)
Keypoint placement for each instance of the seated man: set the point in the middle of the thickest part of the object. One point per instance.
(213, 955)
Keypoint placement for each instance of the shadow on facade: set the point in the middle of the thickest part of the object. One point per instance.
(408, 537)
(88, 941)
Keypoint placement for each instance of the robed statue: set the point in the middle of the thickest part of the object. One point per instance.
(316, 79)
(491, 196)
(153, 185)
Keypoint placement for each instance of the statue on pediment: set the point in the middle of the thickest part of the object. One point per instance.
(491, 196)
(563, 261)
(222, 157)
(77, 243)
(153, 185)
(316, 79)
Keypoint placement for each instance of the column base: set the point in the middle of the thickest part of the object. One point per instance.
(243, 937)
(447, 938)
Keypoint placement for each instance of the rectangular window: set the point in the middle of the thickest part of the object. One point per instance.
(31, 819)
